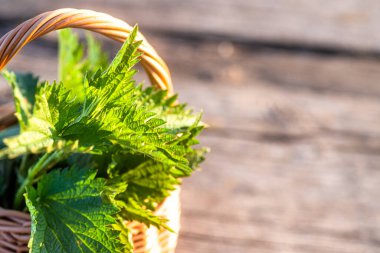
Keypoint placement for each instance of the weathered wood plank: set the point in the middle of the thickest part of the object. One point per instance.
(348, 24)
(300, 197)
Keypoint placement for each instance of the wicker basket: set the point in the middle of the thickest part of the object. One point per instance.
(15, 225)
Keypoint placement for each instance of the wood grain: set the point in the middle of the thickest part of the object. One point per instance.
(300, 197)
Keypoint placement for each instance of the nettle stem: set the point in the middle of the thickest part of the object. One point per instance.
(46, 162)
(23, 168)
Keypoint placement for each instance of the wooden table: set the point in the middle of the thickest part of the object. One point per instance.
(291, 93)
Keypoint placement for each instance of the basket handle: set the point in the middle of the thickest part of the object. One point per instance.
(116, 29)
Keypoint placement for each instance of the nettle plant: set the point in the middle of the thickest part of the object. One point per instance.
(93, 150)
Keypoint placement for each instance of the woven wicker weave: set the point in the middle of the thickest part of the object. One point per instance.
(15, 225)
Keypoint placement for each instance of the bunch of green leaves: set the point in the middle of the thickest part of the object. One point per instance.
(94, 149)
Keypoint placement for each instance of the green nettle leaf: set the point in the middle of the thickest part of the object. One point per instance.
(150, 179)
(73, 65)
(96, 58)
(70, 54)
(69, 214)
(131, 210)
(176, 117)
(23, 87)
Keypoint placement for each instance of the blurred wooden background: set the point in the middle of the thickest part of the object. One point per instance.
(291, 91)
